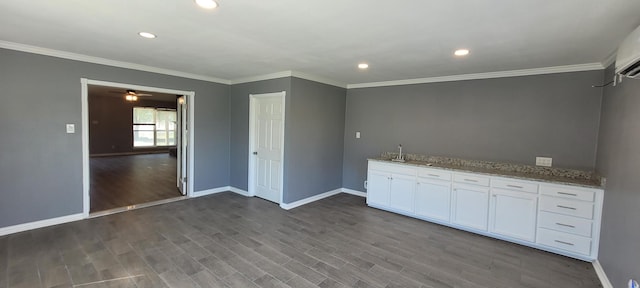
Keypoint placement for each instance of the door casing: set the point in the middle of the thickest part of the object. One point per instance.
(85, 131)
(252, 139)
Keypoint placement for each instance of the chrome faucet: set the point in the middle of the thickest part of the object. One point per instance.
(400, 158)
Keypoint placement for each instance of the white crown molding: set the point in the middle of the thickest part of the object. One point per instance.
(610, 59)
(269, 76)
(283, 74)
(488, 75)
(104, 61)
(318, 79)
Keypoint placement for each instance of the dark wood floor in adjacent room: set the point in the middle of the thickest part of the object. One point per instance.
(127, 180)
(227, 240)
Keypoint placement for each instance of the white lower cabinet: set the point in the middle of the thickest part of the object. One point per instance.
(513, 214)
(378, 188)
(563, 219)
(470, 206)
(433, 199)
(401, 196)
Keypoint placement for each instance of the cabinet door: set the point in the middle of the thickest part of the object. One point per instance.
(470, 206)
(513, 214)
(402, 192)
(433, 199)
(378, 188)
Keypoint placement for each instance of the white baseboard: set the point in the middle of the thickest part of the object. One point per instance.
(239, 191)
(354, 192)
(601, 275)
(210, 191)
(220, 190)
(288, 206)
(39, 224)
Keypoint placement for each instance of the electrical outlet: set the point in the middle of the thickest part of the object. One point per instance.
(366, 184)
(544, 161)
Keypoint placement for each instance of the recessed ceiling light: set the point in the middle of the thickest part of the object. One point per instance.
(207, 4)
(461, 52)
(147, 35)
(363, 65)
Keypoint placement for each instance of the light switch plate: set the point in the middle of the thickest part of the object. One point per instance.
(544, 161)
(71, 128)
(357, 135)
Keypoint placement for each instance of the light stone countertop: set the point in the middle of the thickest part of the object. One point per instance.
(518, 171)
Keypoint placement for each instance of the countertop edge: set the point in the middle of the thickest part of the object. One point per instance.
(497, 173)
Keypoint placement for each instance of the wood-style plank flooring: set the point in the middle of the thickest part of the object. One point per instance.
(127, 180)
(227, 240)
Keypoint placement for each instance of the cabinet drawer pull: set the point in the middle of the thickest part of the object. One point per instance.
(514, 186)
(568, 194)
(433, 175)
(565, 243)
(565, 225)
(470, 180)
(566, 207)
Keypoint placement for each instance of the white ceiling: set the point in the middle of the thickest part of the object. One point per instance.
(399, 39)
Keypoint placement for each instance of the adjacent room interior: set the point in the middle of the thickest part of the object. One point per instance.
(133, 147)
(320, 143)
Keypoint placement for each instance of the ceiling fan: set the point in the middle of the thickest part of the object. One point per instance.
(131, 95)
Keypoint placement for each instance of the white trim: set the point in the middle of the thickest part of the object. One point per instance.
(289, 206)
(252, 130)
(610, 59)
(84, 99)
(108, 62)
(210, 191)
(601, 275)
(487, 75)
(354, 192)
(283, 74)
(269, 76)
(40, 224)
(317, 79)
(239, 191)
(85, 132)
(136, 206)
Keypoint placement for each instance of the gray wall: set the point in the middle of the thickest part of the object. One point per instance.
(619, 161)
(314, 129)
(41, 165)
(111, 124)
(314, 139)
(506, 119)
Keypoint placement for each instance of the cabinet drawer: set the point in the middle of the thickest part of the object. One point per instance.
(434, 174)
(567, 207)
(568, 193)
(563, 223)
(471, 179)
(392, 168)
(564, 241)
(515, 185)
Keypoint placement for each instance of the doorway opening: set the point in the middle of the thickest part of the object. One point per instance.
(137, 144)
(266, 146)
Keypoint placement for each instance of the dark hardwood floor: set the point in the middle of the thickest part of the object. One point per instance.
(127, 180)
(227, 240)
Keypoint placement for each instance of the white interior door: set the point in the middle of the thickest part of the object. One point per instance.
(182, 144)
(268, 132)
